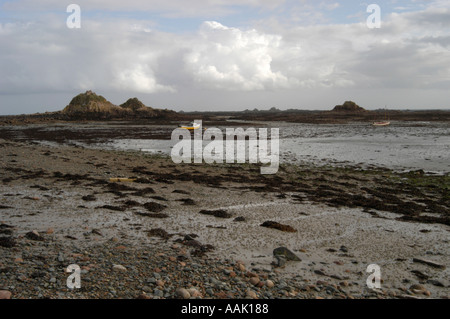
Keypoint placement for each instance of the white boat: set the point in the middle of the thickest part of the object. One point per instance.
(383, 123)
(386, 121)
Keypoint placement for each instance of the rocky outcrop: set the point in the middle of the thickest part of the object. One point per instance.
(349, 107)
(91, 106)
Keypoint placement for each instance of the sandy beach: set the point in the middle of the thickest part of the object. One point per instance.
(198, 231)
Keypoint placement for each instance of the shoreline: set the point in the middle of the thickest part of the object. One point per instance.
(154, 229)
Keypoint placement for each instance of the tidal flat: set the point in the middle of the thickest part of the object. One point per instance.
(59, 207)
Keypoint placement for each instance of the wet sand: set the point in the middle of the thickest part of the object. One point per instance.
(343, 220)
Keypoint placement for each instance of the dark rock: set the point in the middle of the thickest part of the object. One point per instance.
(7, 242)
(187, 201)
(320, 272)
(217, 213)
(435, 283)
(154, 207)
(286, 253)
(110, 207)
(429, 263)
(275, 225)
(180, 191)
(348, 106)
(239, 219)
(97, 232)
(420, 274)
(158, 232)
(34, 235)
(153, 215)
(89, 198)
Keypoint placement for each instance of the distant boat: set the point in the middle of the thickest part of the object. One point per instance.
(382, 123)
(386, 122)
(191, 127)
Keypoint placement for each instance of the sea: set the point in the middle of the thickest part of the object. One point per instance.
(402, 146)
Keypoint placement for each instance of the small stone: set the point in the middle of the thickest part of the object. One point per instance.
(420, 289)
(97, 232)
(269, 283)
(182, 293)
(194, 292)
(241, 267)
(5, 294)
(251, 295)
(320, 272)
(429, 263)
(281, 261)
(49, 231)
(34, 235)
(435, 283)
(60, 257)
(160, 283)
(254, 281)
(119, 268)
(158, 293)
(18, 260)
(53, 280)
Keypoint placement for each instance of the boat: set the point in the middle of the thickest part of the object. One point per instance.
(386, 122)
(192, 126)
(382, 123)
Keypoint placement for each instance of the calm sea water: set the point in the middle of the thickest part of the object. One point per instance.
(401, 146)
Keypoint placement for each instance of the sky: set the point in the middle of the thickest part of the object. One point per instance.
(225, 55)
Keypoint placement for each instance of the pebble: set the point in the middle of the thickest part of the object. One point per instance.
(420, 289)
(5, 294)
(194, 293)
(251, 294)
(254, 281)
(119, 268)
(182, 293)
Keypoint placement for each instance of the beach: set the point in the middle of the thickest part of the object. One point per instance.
(210, 231)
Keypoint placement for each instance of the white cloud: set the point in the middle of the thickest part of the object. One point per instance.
(410, 51)
(234, 59)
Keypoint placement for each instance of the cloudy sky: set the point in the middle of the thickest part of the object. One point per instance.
(225, 54)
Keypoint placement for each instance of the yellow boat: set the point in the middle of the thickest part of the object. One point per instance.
(191, 127)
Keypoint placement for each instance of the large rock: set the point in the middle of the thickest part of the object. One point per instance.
(286, 254)
(7, 242)
(91, 106)
(349, 106)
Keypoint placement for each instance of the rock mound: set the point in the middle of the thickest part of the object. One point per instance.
(349, 106)
(133, 104)
(89, 104)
